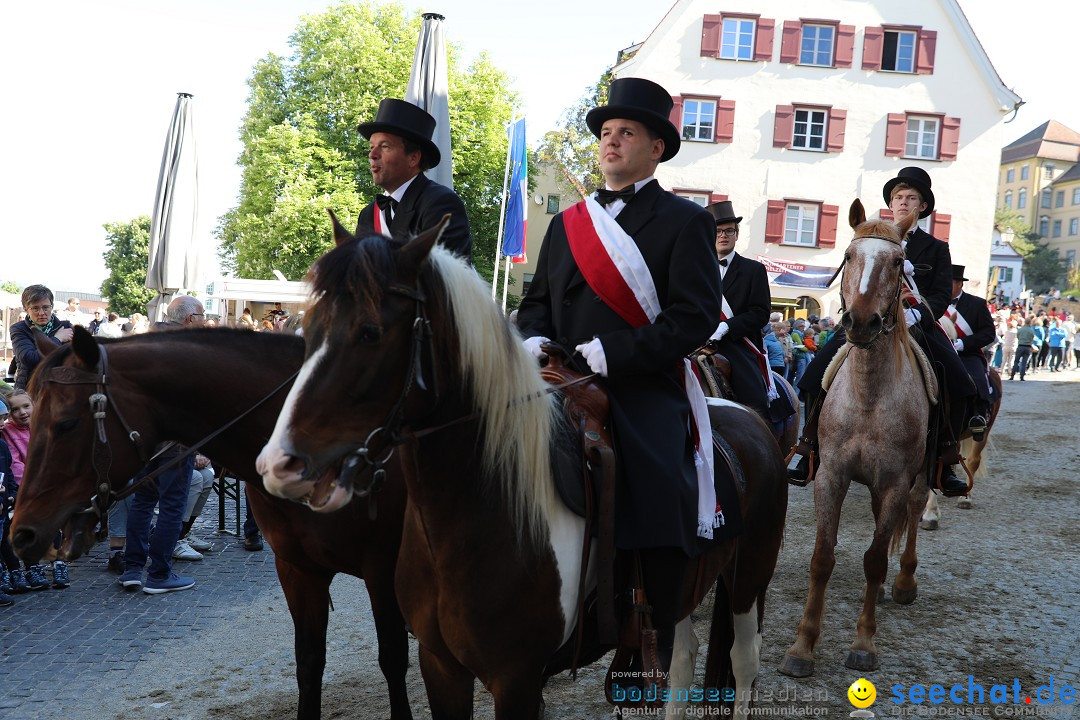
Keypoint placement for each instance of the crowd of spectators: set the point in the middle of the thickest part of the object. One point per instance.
(1029, 341)
(791, 343)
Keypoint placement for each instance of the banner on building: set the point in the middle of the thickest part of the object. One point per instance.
(794, 274)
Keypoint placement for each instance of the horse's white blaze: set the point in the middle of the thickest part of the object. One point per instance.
(745, 658)
(567, 531)
(274, 449)
(683, 661)
(872, 247)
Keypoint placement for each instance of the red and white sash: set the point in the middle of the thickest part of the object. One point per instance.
(760, 357)
(614, 268)
(380, 221)
(963, 327)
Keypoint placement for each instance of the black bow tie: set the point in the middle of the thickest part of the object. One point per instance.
(724, 262)
(956, 300)
(605, 197)
(385, 202)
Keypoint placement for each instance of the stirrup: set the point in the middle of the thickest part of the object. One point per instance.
(977, 426)
(798, 455)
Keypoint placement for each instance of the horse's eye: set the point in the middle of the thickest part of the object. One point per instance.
(898, 262)
(66, 426)
(368, 334)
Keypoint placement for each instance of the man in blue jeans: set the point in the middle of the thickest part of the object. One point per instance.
(168, 492)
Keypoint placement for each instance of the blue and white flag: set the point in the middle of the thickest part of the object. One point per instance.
(516, 208)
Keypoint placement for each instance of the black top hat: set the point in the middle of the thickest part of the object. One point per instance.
(958, 272)
(398, 117)
(723, 212)
(917, 178)
(642, 100)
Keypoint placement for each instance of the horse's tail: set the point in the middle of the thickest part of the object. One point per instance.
(900, 531)
(970, 449)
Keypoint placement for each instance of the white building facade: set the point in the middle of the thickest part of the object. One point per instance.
(792, 118)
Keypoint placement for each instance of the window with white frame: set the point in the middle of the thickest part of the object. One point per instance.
(701, 199)
(1076, 196)
(1010, 174)
(800, 224)
(698, 119)
(1048, 170)
(1059, 198)
(921, 140)
(924, 224)
(1004, 274)
(808, 133)
(1023, 172)
(1021, 199)
(1047, 197)
(898, 52)
(818, 42)
(1074, 226)
(1044, 226)
(1008, 199)
(1057, 228)
(737, 39)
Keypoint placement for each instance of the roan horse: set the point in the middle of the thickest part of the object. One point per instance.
(162, 402)
(406, 349)
(873, 427)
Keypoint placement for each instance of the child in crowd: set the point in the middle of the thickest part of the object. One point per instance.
(7, 495)
(16, 432)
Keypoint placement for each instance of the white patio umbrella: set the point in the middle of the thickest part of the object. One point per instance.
(428, 90)
(174, 256)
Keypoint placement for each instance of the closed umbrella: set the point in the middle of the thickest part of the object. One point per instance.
(428, 90)
(174, 256)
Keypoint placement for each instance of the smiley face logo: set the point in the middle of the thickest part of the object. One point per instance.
(862, 693)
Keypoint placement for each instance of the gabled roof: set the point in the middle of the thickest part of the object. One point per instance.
(1051, 140)
(1072, 175)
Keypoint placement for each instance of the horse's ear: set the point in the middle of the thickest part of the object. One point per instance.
(85, 348)
(341, 235)
(44, 343)
(905, 224)
(856, 215)
(420, 246)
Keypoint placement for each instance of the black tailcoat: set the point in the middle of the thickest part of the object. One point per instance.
(423, 206)
(975, 310)
(657, 494)
(746, 287)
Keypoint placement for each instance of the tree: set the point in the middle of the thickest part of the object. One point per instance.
(1043, 266)
(303, 153)
(126, 257)
(10, 286)
(573, 149)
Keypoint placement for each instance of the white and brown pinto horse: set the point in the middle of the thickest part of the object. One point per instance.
(873, 427)
(406, 349)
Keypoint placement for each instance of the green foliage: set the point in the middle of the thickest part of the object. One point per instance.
(574, 149)
(1006, 220)
(303, 153)
(10, 286)
(126, 258)
(1043, 266)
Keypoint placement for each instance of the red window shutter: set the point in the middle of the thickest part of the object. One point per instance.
(676, 112)
(774, 221)
(783, 126)
(886, 214)
(872, 45)
(763, 41)
(710, 35)
(895, 133)
(789, 41)
(950, 138)
(940, 226)
(827, 228)
(845, 46)
(837, 128)
(927, 47)
(717, 197)
(725, 121)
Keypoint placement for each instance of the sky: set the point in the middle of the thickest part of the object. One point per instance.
(90, 87)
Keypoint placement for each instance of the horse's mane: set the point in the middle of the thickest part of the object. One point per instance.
(517, 416)
(882, 229)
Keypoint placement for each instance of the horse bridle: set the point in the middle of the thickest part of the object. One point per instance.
(101, 454)
(889, 319)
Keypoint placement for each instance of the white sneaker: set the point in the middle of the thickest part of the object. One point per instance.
(183, 551)
(197, 543)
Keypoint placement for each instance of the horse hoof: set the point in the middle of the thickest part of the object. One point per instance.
(862, 660)
(905, 597)
(964, 503)
(930, 524)
(796, 667)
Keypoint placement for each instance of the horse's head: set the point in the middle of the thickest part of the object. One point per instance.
(368, 368)
(64, 468)
(873, 273)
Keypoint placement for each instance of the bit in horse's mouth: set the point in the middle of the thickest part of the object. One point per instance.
(323, 489)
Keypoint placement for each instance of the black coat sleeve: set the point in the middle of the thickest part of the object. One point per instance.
(977, 313)
(439, 201)
(534, 312)
(759, 304)
(938, 291)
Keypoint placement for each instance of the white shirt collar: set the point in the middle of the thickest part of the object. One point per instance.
(400, 192)
(615, 207)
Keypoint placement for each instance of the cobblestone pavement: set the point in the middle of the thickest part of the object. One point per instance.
(998, 589)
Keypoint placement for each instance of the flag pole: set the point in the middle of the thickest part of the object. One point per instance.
(506, 282)
(502, 212)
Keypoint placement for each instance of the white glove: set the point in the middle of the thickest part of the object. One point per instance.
(593, 352)
(909, 270)
(721, 331)
(533, 345)
(913, 316)
(958, 344)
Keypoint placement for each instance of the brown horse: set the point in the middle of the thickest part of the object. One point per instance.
(407, 353)
(148, 383)
(873, 427)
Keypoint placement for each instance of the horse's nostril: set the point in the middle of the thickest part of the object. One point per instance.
(23, 538)
(288, 464)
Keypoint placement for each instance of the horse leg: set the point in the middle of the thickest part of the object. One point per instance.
(974, 454)
(393, 639)
(519, 695)
(888, 512)
(681, 676)
(721, 637)
(931, 514)
(449, 686)
(905, 588)
(307, 593)
(746, 655)
(828, 497)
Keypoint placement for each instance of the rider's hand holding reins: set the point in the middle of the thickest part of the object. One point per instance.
(533, 344)
(593, 352)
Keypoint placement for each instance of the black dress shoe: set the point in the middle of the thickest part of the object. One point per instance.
(951, 484)
(253, 542)
(798, 473)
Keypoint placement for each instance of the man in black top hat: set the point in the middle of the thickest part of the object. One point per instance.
(746, 300)
(401, 150)
(665, 274)
(975, 330)
(929, 269)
